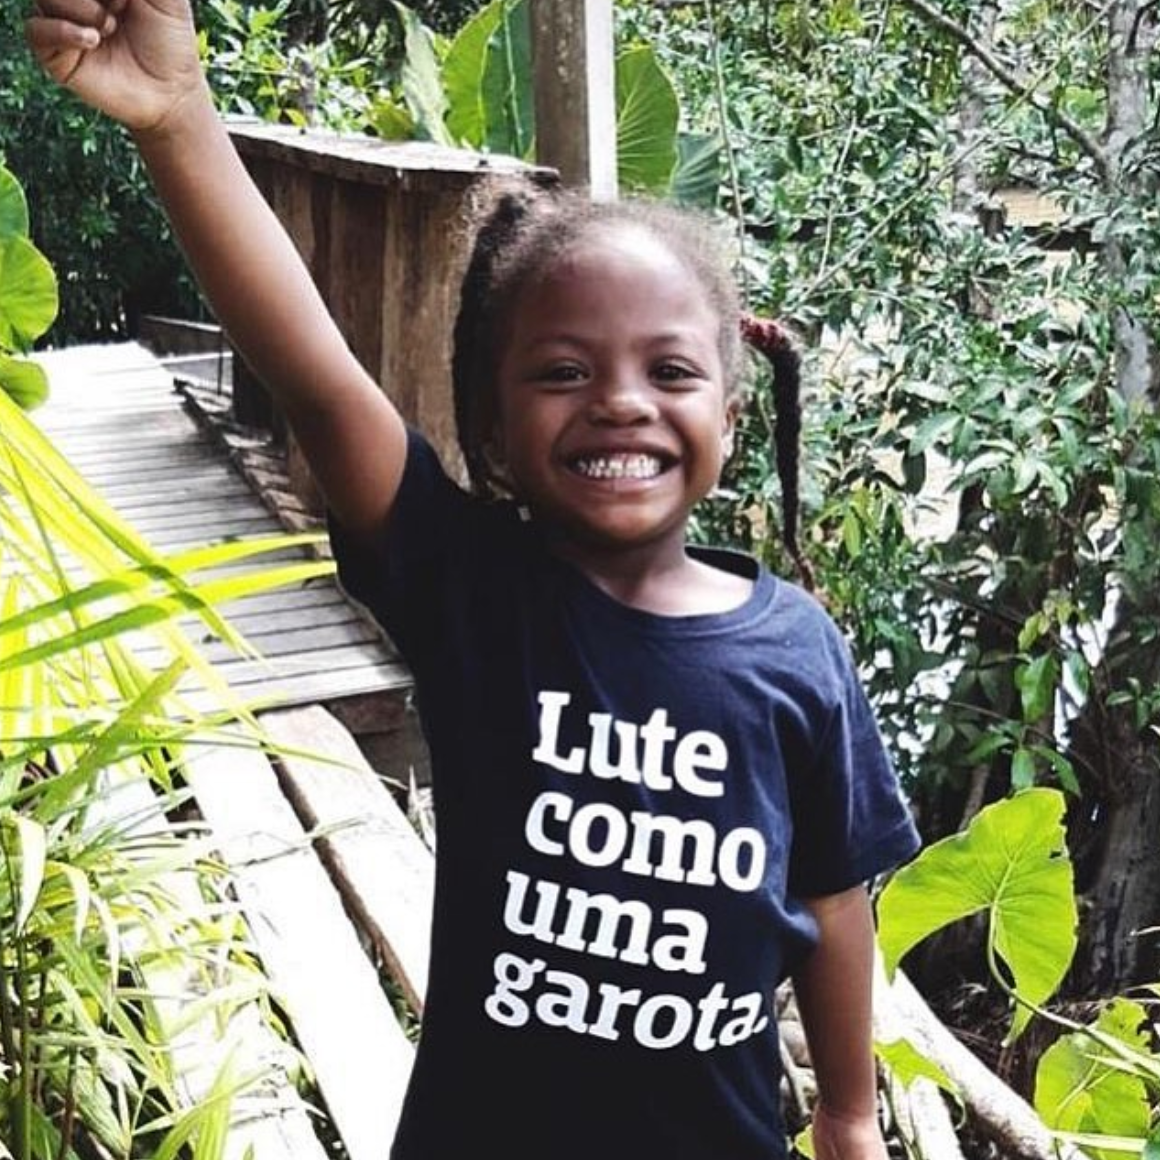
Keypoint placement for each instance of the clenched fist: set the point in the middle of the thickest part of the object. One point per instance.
(135, 60)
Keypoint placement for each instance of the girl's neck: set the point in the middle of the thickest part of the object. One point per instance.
(675, 584)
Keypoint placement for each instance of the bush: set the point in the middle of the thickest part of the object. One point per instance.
(96, 217)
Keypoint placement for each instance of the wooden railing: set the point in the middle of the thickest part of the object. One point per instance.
(383, 229)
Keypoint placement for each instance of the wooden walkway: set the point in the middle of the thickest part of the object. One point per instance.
(115, 413)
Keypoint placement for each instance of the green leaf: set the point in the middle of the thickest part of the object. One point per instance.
(1036, 681)
(422, 86)
(852, 534)
(13, 207)
(803, 1143)
(463, 71)
(24, 382)
(1064, 770)
(907, 1064)
(647, 112)
(28, 294)
(23, 845)
(1022, 769)
(1012, 865)
(506, 88)
(392, 122)
(930, 431)
(1077, 1090)
(697, 178)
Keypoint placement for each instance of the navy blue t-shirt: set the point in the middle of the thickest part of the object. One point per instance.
(630, 810)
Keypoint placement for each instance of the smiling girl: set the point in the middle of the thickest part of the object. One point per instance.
(659, 787)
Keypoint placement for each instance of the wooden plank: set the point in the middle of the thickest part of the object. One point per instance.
(211, 523)
(267, 1122)
(328, 660)
(188, 484)
(320, 593)
(272, 645)
(242, 503)
(168, 422)
(419, 165)
(264, 623)
(340, 1014)
(384, 872)
(237, 490)
(311, 688)
(155, 459)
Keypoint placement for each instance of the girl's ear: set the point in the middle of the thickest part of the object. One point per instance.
(495, 457)
(729, 426)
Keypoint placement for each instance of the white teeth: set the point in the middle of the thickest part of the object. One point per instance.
(620, 467)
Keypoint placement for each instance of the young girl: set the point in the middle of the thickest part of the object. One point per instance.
(659, 787)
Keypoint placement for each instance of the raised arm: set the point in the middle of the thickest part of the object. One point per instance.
(136, 60)
(833, 989)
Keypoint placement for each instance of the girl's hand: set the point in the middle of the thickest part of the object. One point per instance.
(840, 1137)
(135, 60)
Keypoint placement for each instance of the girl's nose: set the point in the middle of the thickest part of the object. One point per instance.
(622, 401)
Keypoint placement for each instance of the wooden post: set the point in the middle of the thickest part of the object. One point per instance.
(575, 92)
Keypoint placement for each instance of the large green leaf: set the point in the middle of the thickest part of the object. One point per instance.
(463, 69)
(1079, 1090)
(1011, 864)
(647, 112)
(13, 207)
(23, 381)
(422, 86)
(697, 179)
(506, 89)
(28, 295)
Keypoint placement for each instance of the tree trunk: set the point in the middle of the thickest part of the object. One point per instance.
(1120, 868)
(1122, 947)
(1116, 837)
(1132, 33)
(972, 114)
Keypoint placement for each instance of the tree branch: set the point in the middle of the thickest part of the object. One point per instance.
(1057, 117)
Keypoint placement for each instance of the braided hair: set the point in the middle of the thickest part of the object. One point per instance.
(522, 235)
(770, 339)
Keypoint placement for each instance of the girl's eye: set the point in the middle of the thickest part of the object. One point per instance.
(563, 374)
(671, 372)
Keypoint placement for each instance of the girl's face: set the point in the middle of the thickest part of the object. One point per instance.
(614, 418)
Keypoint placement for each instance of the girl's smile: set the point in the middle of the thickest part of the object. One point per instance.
(613, 414)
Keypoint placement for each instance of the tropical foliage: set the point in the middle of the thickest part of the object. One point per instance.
(28, 297)
(97, 220)
(471, 90)
(1097, 1086)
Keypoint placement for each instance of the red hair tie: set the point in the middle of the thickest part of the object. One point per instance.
(765, 335)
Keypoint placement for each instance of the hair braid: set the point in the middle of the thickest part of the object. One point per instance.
(772, 341)
(473, 350)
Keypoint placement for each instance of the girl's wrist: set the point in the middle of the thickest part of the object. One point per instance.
(847, 1135)
(182, 126)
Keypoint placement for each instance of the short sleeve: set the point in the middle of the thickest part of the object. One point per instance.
(437, 560)
(850, 819)
(397, 574)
